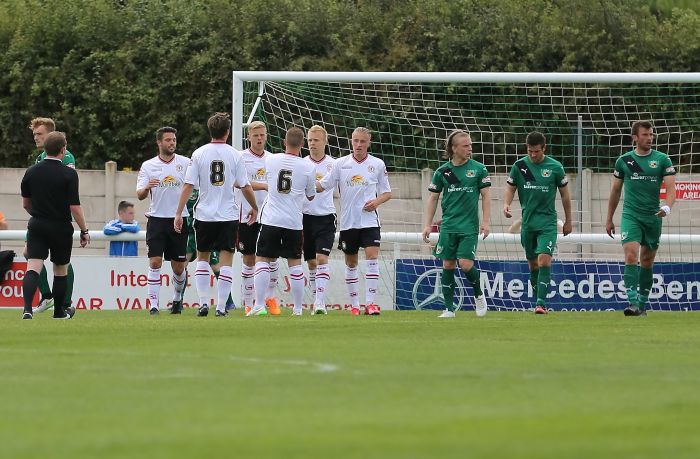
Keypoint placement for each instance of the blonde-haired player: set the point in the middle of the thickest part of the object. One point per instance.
(254, 158)
(319, 220)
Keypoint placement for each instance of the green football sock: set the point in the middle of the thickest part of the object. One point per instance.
(543, 278)
(533, 279)
(646, 279)
(69, 286)
(448, 288)
(44, 286)
(473, 277)
(631, 276)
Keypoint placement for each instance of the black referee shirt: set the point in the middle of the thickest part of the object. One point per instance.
(52, 188)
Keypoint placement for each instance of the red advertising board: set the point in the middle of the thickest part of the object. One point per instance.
(685, 191)
(11, 288)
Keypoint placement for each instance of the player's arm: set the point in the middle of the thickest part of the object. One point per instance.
(383, 188)
(613, 201)
(430, 208)
(76, 210)
(485, 226)
(508, 196)
(259, 186)
(670, 183)
(249, 196)
(144, 185)
(27, 205)
(566, 203)
(184, 196)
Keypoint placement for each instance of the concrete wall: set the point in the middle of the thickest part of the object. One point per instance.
(102, 190)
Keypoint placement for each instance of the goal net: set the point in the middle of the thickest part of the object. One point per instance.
(586, 119)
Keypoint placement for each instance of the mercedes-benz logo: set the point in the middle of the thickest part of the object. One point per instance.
(428, 290)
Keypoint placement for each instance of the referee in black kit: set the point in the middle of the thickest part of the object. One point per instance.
(50, 195)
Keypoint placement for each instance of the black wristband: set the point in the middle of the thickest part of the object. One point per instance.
(85, 232)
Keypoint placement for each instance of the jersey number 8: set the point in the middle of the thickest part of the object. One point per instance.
(216, 175)
(284, 181)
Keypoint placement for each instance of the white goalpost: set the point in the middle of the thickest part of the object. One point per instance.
(586, 118)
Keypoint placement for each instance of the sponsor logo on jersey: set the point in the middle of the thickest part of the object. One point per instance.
(318, 176)
(546, 172)
(471, 173)
(356, 180)
(653, 164)
(438, 249)
(259, 174)
(169, 182)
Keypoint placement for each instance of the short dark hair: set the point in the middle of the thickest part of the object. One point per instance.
(165, 129)
(54, 142)
(294, 138)
(219, 124)
(450, 141)
(642, 124)
(536, 138)
(123, 205)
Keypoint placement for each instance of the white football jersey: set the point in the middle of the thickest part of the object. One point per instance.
(290, 180)
(358, 182)
(255, 169)
(323, 202)
(215, 169)
(171, 175)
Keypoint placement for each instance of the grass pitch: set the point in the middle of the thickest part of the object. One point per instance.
(402, 385)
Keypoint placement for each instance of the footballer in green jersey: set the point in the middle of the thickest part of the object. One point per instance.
(641, 172)
(537, 178)
(461, 181)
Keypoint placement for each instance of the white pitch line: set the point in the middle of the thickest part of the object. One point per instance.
(318, 367)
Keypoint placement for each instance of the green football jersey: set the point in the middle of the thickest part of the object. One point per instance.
(460, 187)
(68, 159)
(190, 205)
(642, 177)
(537, 186)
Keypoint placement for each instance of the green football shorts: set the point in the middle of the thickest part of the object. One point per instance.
(538, 242)
(645, 230)
(456, 246)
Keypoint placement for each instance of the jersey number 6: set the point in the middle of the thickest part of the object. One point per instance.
(284, 181)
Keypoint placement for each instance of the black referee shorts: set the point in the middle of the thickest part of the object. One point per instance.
(163, 241)
(352, 239)
(319, 233)
(275, 242)
(44, 236)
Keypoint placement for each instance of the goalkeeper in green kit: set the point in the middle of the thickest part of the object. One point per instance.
(537, 178)
(461, 181)
(641, 171)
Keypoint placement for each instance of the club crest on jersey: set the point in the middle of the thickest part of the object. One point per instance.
(438, 249)
(370, 169)
(329, 167)
(179, 168)
(653, 164)
(471, 173)
(260, 174)
(546, 172)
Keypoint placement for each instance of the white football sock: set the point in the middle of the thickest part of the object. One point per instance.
(272, 285)
(247, 273)
(153, 287)
(352, 283)
(201, 281)
(261, 280)
(371, 280)
(296, 281)
(223, 286)
(323, 276)
(312, 282)
(179, 285)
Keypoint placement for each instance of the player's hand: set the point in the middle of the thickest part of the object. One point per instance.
(506, 211)
(664, 211)
(370, 206)
(610, 229)
(84, 239)
(252, 216)
(567, 228)
(152, 183)
(485, 229)
(426, 234)
(177, 224)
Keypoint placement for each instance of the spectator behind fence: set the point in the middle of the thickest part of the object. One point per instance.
(125, 223)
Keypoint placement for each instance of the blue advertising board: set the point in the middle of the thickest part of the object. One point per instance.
(579, 286)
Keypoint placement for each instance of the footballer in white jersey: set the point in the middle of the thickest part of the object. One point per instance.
(363, 185)
(319, 220)
(290, 182)
(255, 171)
(215, 169)
(163, 179)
